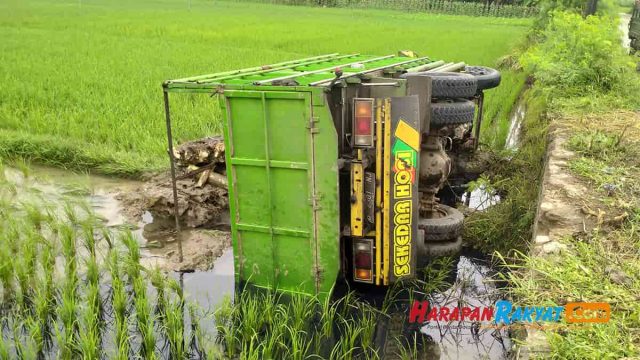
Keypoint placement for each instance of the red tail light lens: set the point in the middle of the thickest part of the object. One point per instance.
(363, 260)
(363, 122)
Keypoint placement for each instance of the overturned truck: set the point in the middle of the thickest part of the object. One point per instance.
(335, 163)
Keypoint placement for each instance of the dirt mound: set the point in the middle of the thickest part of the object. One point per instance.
(201, 183)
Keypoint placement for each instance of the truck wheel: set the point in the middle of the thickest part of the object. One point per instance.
(452, 112)
(442, 248)
(487, 77)
(449, 84)
(445, 227)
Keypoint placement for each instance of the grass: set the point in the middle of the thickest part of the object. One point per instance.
(603, 264)
(91, 99)
(516, 175)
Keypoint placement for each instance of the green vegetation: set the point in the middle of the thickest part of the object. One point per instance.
(429, 6)
(603, 264)
(81, 80)
(589, 84)
(507, 225)
(581, 64)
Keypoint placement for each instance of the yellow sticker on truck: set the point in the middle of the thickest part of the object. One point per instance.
(403, 178)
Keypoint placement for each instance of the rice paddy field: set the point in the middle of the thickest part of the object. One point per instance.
(81, 79)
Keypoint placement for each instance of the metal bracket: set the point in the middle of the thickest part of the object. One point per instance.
(312, 125)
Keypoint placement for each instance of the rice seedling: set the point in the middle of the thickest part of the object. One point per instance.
(67, 312)
(251, 349)
(34, 332)
(24, 345)
(4, 348)
(132, 261)
(347, 346)
(297, 343)
(328, 316)
(302, 308)
(157, 280)
(6, 275)
(119, 305)
(175, 328)
(144, 319)
(89, 338)
(225, 325)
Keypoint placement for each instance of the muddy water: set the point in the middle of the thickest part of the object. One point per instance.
(473, 287)
(515, 126)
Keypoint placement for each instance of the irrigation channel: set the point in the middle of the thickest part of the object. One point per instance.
(470, 274)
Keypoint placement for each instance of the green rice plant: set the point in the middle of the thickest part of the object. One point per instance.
(34, 335)
(35, 214)
(23, 301)
(132, 262)
(347, 345)
(273, 345)
(302, 308)
(158, 281)
(67, 312)
(24, 345)
(175, 328)
(88, 237)
(4, 348)
(297, 343)
(407, 348)
(368, 318)
(123, 344)
(70, 212)
(89, 338)
(252, 322)
(119, 305)
(6, 275)
(251, 349)
(225, 324)
(106, 236)
(144, 319)
(328, 312)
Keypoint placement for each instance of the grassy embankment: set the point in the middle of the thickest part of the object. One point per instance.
(587, 87)
(81, 83)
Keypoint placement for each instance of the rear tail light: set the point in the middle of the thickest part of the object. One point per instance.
(363, 260)
(363, 122)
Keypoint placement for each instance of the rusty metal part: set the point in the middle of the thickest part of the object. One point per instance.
(478, 123)
(173, 172)
(435, 166)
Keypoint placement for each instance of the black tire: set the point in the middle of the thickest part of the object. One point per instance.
(442, 248)
(446, 85)
(486, 77)
(447, 227)
(453, 112)
(432, 236)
